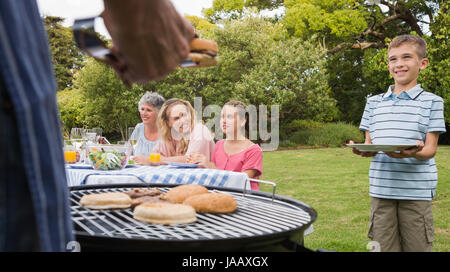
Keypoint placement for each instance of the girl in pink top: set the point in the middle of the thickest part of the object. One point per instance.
(236, 153)
(180, 135)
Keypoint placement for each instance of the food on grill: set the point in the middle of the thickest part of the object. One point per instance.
(180, 193)
(274, 223)
(135, 193)
(149, 195)
(149, 199)
(212, 203)
(110, 200)
(165, 213)
(203, 52)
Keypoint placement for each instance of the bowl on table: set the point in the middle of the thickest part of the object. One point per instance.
(108, 156)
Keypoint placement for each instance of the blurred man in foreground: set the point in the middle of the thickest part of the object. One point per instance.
(150, 38)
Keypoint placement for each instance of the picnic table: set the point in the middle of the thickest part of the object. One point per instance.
(78, 174)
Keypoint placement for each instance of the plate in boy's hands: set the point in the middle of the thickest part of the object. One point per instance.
(380, 147)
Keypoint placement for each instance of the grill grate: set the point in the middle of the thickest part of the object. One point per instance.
(255, 216)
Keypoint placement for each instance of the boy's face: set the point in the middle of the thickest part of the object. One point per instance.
(404, 64)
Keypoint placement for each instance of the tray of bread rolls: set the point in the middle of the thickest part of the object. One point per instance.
(173, 217)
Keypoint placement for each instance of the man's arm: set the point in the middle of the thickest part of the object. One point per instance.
(149, 38)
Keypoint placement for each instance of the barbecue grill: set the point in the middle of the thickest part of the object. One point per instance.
(261, 220)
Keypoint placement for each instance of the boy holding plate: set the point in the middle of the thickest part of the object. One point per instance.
(403, 183)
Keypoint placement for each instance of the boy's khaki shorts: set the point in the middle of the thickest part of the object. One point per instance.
(401, 225)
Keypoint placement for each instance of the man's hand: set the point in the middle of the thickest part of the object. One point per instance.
(149, 38)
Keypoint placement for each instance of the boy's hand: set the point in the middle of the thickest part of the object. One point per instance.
(407, 153)
(363, 154)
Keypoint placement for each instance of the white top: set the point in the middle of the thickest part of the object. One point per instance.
(143, 147)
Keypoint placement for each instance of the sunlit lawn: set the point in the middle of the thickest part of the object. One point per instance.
(335, 183)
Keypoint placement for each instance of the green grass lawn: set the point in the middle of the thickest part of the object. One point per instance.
(335, 183)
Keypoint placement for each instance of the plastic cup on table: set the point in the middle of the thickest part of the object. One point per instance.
(155, 158)
(70, 154)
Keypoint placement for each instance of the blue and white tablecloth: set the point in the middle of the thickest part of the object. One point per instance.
(157, 174)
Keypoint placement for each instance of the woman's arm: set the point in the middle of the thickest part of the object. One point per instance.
(200, 159)
(251, 173)
(181, 159)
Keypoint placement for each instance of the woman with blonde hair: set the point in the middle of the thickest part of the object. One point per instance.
(180, 134)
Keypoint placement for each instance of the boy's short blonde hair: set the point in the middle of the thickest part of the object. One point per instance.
(418, 42)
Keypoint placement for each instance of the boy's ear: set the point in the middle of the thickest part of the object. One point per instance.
(424, 64)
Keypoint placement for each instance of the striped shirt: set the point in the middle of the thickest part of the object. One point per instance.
(28, 78)
(403, 119)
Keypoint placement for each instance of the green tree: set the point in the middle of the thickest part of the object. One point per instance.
(109, 103)
(66, 57)
(356, 34)
(258, 65)
(357, 24)
(71, 103)
(436, 77)
(235, 9)
(293, 75)
(202, 27)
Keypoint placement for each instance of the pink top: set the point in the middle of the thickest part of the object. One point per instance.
(200, 141)
(248, 159)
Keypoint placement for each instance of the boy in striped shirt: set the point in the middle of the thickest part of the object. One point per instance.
(402, 184)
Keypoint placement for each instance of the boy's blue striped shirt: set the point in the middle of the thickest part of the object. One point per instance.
(403, 119)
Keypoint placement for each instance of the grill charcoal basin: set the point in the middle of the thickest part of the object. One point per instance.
(258, 222)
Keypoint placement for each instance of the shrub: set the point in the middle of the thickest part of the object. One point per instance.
(331, 135)
(286, 130)
(71, 103)
(287, 143)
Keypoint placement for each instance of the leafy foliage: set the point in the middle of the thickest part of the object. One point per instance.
(318, 62)
(329, 135)
(329, 18)
(67, 58)
(109, 103)
(259, 66)
(71, 103)
(436, 77)
(235, 9)
(203, 28)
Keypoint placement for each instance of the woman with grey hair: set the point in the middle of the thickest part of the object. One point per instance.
(146, 133)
